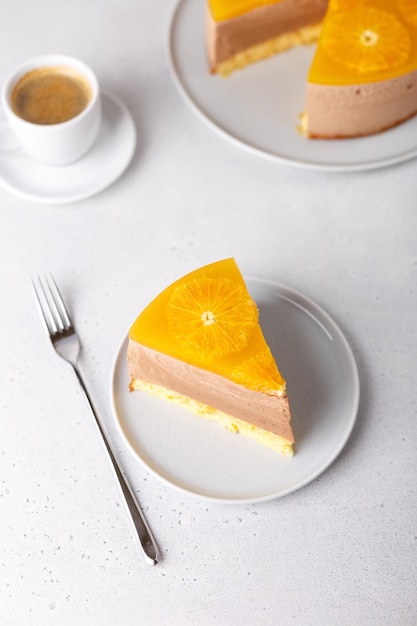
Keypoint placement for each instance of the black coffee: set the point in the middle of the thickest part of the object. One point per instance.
(50, 95)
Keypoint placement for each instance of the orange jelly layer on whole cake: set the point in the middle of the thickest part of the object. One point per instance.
(228, 9)
(365, 41)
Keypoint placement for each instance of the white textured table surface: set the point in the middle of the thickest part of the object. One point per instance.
(342, 550)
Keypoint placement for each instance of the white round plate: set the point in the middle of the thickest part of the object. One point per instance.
(102, 165)
(204, 459)
(258, 108)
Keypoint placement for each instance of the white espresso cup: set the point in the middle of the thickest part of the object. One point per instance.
(38, 115)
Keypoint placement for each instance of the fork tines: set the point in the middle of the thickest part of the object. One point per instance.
(51, 305)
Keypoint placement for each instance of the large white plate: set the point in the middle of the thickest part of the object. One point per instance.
(204, 459)
(98, 169)
(257, 108)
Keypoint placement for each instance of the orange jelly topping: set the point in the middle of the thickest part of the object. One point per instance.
(365, 41)
(228, 9)
(208, 319)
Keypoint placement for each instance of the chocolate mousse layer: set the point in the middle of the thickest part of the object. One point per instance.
(229, 37)
(270, 412)
(355, 110)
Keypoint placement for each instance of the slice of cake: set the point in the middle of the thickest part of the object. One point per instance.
(199, 345)
(363, 78)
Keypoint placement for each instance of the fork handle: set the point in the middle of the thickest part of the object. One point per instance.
(143, 531)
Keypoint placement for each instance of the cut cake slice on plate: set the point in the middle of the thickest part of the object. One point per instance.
(199, 345)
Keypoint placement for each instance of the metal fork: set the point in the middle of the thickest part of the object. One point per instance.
(67, 344)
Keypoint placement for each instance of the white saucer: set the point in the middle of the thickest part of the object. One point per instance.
(203, 459)
(256, 109)
(106, 161)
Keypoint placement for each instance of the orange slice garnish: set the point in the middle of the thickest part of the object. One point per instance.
(260, 373)
(408, 10)
(366, 40)
(213, 317)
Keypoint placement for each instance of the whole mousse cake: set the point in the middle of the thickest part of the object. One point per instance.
(199, 345)
(363, 77)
